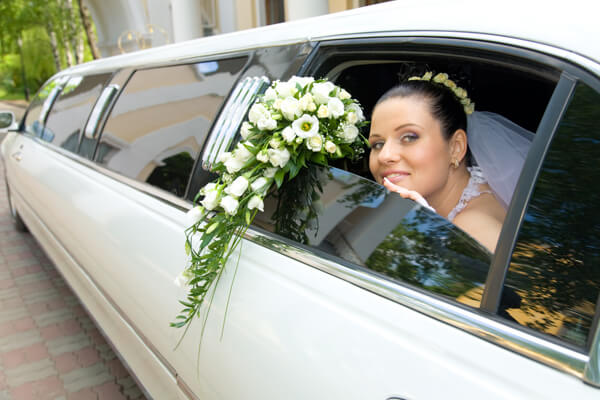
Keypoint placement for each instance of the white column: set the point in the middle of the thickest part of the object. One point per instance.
(186, 17)
(298, 9)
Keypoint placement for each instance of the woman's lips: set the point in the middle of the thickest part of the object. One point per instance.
(395, 177)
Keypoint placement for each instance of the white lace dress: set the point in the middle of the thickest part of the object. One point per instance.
(470, 192)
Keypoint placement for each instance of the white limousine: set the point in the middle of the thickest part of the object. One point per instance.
(379, 297)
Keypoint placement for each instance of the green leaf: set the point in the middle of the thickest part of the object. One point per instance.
(188, 248)
(294, 169)
(279, 177)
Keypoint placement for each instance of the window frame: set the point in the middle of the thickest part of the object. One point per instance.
(480, 322)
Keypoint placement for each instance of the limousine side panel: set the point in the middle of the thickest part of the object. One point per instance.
(132, 250)
(291, 331)
(157, 380)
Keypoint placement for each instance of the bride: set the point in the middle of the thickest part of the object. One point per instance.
(421, 150)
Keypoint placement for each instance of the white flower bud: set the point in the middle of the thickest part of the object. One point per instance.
(256, 202)
(330, 146)
(336, 107)
(288, 134)
(229, 204)
(194, 215)
(314, 143)
(237, 187)
(323, 111)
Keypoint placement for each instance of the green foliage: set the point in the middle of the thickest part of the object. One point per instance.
(30, 21)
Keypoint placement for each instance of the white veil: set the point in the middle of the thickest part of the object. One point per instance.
(499, 147)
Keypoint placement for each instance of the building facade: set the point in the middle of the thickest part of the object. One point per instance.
(123, 26)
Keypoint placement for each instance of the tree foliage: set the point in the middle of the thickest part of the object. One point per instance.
(38, 38)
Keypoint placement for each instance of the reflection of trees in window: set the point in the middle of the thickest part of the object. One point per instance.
(354, 219)
(555, 263)
(173, 175)
(430, 252)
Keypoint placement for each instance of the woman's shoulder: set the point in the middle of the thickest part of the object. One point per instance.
(482, 218)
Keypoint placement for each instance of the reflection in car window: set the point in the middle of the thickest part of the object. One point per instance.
(33, 122)
(554, 268)
(71, 109)
(160, 121)
(358, 221)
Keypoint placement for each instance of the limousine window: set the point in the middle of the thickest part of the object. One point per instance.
(71, 109)
(554, 268)
(356, 220)
(161, 119)
(33, 121)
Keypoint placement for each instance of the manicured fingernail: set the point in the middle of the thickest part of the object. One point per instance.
(387, 180)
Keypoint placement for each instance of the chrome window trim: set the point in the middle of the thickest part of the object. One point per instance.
(471, 321)
(227, 123)
(563, 54)
(104, 100)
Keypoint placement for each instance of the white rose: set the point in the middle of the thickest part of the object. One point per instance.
(237, 187)
(355, 108)
(352, 118)
(262, 156)
(208, 187)
(277, 104)
(285, 89)
(344, 95)
(320, 91)
(314, 143)
(257, 111)
(306, 126)
(266, 124)
(223, 157)
(229, 204)
(245, 131)
(278, 158)
(330, 146)
(274, 143)
(323, 111)
(288, 134)
(349, 133)
(270, 172)
(336, 107)
(233, 165)
(290, 108)
(211, 200)
(306, 102)
(301, 80)
(256, 202)
(270, 94)
(259, 184)
(242, 153)
(194, 215)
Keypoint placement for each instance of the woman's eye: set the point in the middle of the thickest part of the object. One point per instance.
(409, 137)
(376, 145)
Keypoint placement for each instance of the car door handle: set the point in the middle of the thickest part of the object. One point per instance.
(17, 156)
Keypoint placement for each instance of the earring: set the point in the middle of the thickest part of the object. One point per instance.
(455, 163)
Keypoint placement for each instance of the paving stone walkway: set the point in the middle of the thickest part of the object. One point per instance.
(49, 346)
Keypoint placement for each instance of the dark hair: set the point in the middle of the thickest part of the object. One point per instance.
(444, 105)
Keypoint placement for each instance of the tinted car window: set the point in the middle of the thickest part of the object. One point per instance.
(72, 108)
(357, 220)
(160, 121)
(554, 272)
(36, 113)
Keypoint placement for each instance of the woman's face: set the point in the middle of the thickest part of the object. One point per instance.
(407, 146)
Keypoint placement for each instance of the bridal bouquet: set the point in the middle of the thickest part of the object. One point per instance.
(295, 122)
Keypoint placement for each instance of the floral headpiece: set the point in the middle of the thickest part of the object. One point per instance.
(442, 79)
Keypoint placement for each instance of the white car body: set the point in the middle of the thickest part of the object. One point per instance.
(296, 327)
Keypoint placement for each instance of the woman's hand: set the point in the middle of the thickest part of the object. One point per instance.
(407, 194)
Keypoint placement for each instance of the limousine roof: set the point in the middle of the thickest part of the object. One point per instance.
(570, 27)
